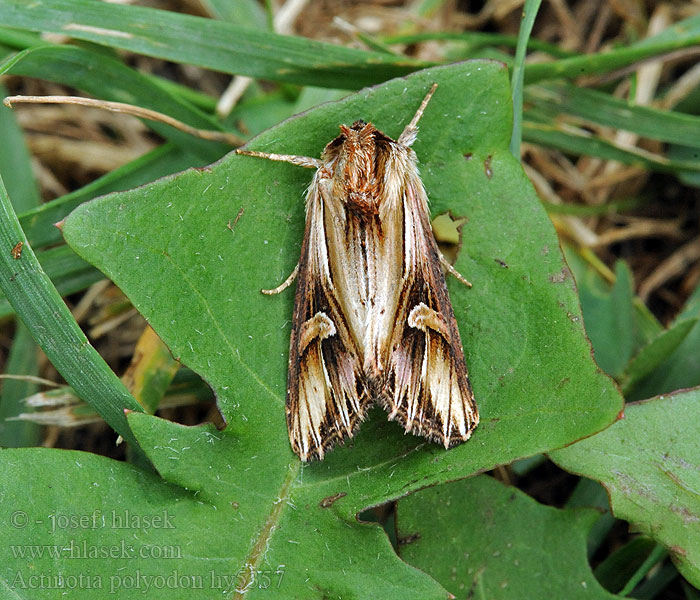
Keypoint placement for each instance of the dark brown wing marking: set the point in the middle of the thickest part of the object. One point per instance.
(427, 388)
(326, 390)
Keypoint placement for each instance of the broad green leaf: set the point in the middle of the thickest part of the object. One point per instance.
(169, 248)
(682, 368)
(207, 43)
(608, 313)
(283, 515)
(482, 539)
(651, 356)
(649, 461)
(193, 264)
(115, 531)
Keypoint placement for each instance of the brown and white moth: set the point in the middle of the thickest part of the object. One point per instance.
(372, 318)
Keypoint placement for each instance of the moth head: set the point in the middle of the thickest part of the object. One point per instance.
(357, 157)
(360, 133)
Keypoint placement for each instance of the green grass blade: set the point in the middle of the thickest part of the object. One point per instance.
(605, 62)
(248, 13)
(582, 142)
(107, 78)
(207, 43)
(476, 40)
(622, 564)
(66, 270)
(22, 361)
(18, 39)
(14, 162)
(604, 109)
(15, 166)
(48, 319)
(655, 557)
(518, 74)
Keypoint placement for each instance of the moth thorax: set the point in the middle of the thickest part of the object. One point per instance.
(358, 165)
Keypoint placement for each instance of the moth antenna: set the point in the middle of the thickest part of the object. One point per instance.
(411, 131)
(452, 271)
(301, 161)
(285, 284)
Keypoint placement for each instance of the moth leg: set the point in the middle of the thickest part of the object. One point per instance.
(411, 131)
(285, 284)
(301, 161)
(452, 271)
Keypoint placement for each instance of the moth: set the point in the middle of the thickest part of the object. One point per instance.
(373, 322)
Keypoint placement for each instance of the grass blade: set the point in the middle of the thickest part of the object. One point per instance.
(605, 62)
(604, 109)
(40, 306)
(529, 14)
(207, 43)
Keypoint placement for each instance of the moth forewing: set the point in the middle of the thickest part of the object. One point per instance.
(372, 317)
(431, 394)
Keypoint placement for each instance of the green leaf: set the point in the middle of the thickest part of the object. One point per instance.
(67, 271)
(604, 109)
(608, 313)
(651, 356)
(682, 368)
(207, 43)
(15, 165)
(108, 79)
(682, 34)
(115, 531)
(482, 539)
(52, 326)
(518, 75)
(650, 464)
(198, 281)
(195, 270)
(38, 223)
